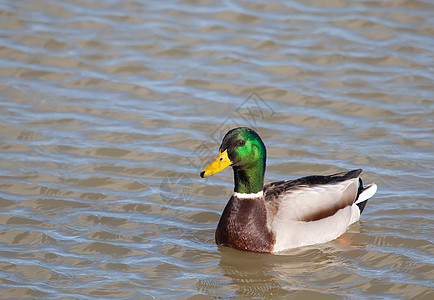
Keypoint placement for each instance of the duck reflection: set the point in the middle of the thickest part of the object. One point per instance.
(257, 275)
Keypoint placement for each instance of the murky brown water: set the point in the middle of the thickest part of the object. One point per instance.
(109, 109)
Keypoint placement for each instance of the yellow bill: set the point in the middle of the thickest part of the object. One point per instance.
(221, 162)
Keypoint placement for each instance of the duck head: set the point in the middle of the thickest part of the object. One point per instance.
(243, 149)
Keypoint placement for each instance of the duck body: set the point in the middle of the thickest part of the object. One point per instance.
(285, 214)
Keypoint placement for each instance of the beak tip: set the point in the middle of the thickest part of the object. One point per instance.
(202, 174)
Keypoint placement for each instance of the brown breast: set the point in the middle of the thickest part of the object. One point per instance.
(243, 225)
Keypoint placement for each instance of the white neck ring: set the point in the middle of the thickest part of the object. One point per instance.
(249, 196)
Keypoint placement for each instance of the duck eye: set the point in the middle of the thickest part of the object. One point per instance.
(241, 143)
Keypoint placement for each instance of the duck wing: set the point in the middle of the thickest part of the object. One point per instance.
(312, 198)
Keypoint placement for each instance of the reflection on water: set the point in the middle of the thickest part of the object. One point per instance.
(255, 275)
(110, 110)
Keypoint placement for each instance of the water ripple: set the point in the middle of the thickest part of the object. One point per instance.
(110, 110)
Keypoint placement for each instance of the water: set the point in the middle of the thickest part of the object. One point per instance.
(111, 108)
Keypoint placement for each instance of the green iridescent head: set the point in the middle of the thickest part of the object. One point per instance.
(243, 149)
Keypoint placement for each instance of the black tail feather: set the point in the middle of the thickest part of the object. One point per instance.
(361, 205)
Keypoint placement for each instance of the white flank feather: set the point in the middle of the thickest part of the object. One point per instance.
(293, 234)
(304, 201)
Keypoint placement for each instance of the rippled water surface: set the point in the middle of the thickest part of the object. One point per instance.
(109, 110)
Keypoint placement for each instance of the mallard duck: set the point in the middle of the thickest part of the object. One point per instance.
(284, 214)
